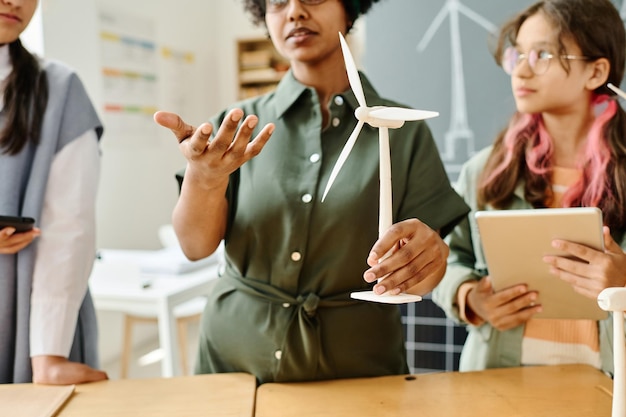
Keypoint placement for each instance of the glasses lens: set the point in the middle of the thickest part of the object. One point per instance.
(509, 59)
(542, 62)
(533, 60)
(275, 5)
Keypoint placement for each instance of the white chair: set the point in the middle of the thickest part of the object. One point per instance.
(186, 314)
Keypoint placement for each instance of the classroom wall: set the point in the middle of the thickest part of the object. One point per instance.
(137, 188)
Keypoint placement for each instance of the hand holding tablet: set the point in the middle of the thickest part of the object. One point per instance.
(515, 242)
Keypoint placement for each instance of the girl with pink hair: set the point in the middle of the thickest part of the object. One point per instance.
(564, 147)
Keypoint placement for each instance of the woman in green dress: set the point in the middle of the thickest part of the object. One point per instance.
(282, 308)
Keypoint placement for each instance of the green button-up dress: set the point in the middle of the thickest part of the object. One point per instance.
(281, 309)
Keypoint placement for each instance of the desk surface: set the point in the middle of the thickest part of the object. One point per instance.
(552, 391)
(222, 395)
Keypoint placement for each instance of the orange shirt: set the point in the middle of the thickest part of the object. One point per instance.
(551, 341)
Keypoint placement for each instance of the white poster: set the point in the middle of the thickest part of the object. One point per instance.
(129, 55)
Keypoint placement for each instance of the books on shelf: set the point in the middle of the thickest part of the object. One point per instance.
(260, 75)
(255, 59)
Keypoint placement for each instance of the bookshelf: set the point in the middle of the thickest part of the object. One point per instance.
(259, 66)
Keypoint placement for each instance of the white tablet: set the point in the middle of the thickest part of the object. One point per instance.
(515, 241)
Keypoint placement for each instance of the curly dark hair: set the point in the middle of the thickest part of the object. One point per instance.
(354, 9)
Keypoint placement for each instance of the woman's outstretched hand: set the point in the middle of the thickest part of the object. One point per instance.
(210, 160)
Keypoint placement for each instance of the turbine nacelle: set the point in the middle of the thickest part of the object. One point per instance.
(368, 115)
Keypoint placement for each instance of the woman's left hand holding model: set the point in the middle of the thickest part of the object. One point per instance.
(417, 261)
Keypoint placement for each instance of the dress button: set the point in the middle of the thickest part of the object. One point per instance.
(278, 354)
(296, 256)
(307, 198)
(338, 100)
(314, 158)
(336, 121)
(286, 305)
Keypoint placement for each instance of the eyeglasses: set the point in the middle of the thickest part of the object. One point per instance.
(274, 6)
(538, 60)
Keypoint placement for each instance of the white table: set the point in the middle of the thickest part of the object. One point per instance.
(121, 287)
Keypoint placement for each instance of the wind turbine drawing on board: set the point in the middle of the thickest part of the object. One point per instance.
(383, 118)
(459, 128)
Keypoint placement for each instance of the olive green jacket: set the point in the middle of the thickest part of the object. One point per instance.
(485, 346)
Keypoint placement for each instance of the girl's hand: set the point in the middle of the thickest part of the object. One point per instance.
(505, 309)
(11, 242)
(593, 270)
(57, 370)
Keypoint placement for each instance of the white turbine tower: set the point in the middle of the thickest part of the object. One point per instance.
(383, 118)
(459, 128)
(614, 300)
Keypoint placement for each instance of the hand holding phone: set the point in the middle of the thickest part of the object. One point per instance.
(24, 234)
(21, 224)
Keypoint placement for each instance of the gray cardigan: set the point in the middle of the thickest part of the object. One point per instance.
(24, 176)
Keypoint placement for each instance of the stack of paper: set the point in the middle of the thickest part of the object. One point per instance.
(170, 260)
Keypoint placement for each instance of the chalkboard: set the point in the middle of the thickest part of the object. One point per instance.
(435, 55)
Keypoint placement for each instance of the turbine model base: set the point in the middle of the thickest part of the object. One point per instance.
(386, 298)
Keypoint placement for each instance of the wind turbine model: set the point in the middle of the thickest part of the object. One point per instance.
(384, 118)
(614, 299)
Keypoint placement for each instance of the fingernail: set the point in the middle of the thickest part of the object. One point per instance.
(236, 116)
(379, 289)
(252, 123)
(369, 276)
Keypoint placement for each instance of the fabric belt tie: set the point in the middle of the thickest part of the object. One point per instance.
(302, 344)
(309, 303)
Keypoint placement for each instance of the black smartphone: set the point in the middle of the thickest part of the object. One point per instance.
(21, 224)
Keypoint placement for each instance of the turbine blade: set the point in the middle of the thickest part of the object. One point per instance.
(486, 24)
(347, 148)
(401, 113)
(430, 32)
(353, 73)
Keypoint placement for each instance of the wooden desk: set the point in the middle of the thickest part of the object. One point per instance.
(222, 395)
(551, 391)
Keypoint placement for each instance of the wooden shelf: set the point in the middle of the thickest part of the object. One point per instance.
(260, 67)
